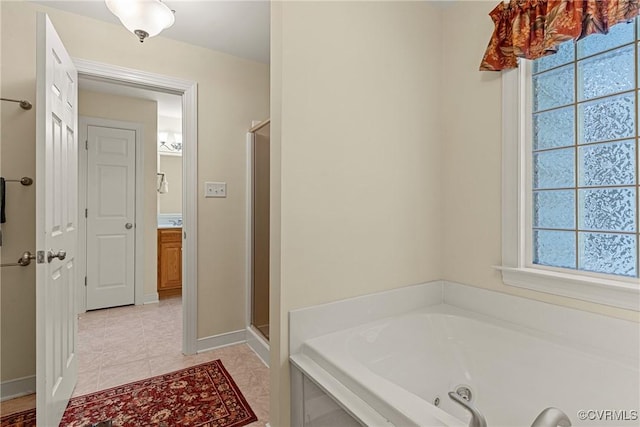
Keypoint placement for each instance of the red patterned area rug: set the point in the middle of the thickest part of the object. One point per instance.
(203, 395)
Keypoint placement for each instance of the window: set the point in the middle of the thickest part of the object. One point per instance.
(571, 184)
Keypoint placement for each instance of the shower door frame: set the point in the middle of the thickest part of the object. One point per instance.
(254, 338)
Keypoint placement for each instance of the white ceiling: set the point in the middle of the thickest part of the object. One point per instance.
(237, 27)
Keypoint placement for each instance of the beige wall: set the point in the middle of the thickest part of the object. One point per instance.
(231, 93)
(471, 179)
(355, 89)
(17, 293)
(171, 167)
(112, 107)
(17, 159)
(278, 375)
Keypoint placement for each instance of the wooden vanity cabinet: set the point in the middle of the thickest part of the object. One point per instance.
(169, 262)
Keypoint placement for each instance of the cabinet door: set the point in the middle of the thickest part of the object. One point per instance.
(169, 259)
(171, 265)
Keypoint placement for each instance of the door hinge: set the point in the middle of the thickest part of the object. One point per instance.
(86, 213)
(184, 233)
(85, 280)
(86, 144)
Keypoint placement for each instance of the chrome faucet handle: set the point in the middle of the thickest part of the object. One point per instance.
(477, 419)
(551, 417)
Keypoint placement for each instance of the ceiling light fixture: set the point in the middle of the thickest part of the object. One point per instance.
(144, 18)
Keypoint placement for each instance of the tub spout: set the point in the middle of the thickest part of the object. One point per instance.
(477, 419)
(551, 417)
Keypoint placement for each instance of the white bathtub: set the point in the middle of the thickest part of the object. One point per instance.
(399, 366)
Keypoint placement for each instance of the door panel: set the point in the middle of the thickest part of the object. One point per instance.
(110, 207)
(169, 261)
(113, 273)
(56, 224)
(171, 265)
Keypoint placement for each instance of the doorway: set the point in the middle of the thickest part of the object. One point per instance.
(170, 189)
(124, 337)
(187, 91)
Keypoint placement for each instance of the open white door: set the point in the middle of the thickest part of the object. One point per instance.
(56, 224)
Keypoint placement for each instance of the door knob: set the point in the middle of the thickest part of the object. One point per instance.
(60, 255)
(128, 226)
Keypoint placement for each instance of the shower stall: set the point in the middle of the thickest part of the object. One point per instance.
(259, 150)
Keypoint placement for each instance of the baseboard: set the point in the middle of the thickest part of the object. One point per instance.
(222, 340)
(151, 298)
(258, 344)
(18, 387)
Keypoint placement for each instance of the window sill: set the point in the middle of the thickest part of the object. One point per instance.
(616, 293)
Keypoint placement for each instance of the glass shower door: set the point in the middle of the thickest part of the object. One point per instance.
(260, 237)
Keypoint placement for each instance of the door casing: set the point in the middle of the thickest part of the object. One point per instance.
(83, 123)
(188, 90)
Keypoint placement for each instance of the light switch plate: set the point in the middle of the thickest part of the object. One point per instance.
(215, 189)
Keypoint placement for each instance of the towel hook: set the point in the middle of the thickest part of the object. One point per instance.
(23, 261)
(24, 104)
(25, 180)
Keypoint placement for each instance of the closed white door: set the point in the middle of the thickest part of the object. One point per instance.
(110, 217)
(56, 224)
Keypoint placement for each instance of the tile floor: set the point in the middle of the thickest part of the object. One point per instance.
(125, 344)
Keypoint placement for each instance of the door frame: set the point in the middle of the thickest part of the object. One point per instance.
(188, 90)
(83, 170)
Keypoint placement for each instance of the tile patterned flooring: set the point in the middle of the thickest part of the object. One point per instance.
(126, 344)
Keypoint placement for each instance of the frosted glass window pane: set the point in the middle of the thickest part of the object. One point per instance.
(553, 88)
(612, 163)
(564, 55)
(607, 209)
(554, 169)
(607, 119)
(554, 248)
(618, 35)
(606, 74)
(608, 253)
(554, 209)
(553, 128)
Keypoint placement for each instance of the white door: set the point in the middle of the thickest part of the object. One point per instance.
(56, 224)
(110, 216)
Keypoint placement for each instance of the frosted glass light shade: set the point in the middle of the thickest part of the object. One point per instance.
(144, 18)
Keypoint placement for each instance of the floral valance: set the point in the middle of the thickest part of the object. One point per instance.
(534, 28)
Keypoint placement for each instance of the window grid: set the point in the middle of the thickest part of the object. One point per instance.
(636, 60)
(578, 143)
